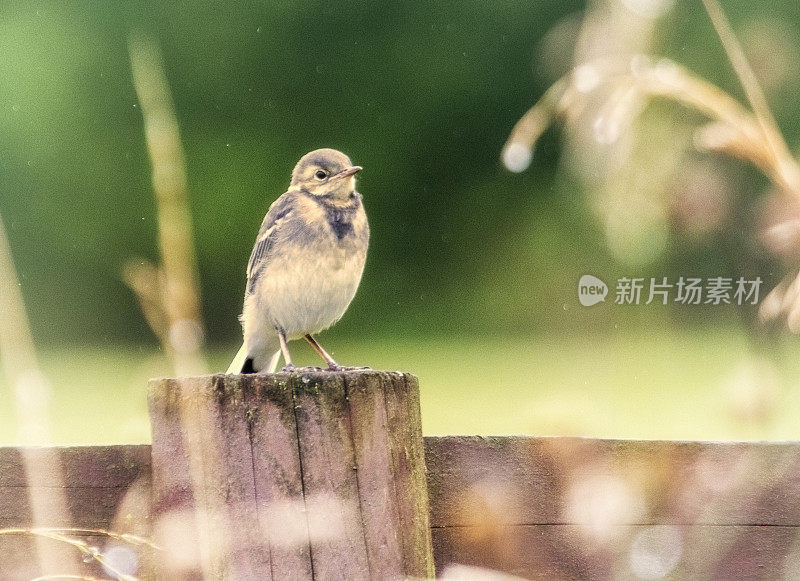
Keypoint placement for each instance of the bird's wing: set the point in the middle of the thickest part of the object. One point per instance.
(279, 212)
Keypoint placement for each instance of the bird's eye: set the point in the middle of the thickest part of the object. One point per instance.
(321, 174)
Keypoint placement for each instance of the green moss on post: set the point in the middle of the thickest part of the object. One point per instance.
(308, 476)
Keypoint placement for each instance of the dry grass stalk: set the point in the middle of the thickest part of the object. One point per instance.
(751, 135)
(89, 553)
(755, 96)
(62, 534)
(734, 130)
(169, 293)
(61, 577)
(17, 353)
(30, 393)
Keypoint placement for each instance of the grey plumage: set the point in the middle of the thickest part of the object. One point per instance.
(306, 263)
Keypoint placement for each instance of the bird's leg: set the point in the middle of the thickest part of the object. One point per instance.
(289, 367)
(332, 365)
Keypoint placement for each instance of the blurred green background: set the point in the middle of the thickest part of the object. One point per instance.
(471, 280)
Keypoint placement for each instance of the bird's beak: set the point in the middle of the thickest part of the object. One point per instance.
(350, 171)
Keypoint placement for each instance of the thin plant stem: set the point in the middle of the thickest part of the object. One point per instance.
(30, 393)
(754, 93)
(170, 293)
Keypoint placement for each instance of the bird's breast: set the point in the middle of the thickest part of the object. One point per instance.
(314, 271)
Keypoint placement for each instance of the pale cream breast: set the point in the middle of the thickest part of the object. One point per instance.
(305, 292)
(307, 287)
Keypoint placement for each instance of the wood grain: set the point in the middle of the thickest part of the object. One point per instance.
(330, 486)
(566, 552)
(264, 474)
(378, 490)
(533, 507)
(203, 485)
(715, 483)
(277, 476)
(95, 481)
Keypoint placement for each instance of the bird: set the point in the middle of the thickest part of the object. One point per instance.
(306, 263)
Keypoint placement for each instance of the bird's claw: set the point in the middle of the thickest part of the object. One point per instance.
(308, 369)
(290, 368)
(345, 368)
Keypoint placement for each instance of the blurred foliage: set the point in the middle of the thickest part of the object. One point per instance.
(471, 268)
(421, 94)
(665, 383)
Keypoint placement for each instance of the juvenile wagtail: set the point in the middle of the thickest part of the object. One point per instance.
(306, 263)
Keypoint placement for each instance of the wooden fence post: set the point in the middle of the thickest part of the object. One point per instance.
(314, 475)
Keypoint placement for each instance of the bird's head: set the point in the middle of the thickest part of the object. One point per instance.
(326, 173)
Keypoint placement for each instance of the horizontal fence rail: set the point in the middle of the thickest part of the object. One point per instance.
(537, 508)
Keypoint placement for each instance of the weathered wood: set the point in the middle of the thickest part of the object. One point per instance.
(203, 481)
(241, 460)
(534, 507)
(378, 490)
(575, 508)
(277, 475)
(330, 489)
(668, 482)
(18, 557)
(81, 466)
(94, 480)
(563, 551)
(405, 397)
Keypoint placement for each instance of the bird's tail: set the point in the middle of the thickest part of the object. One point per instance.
(238, 362)
(273, 362)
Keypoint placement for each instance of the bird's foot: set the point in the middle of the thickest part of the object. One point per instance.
(306, 369)
(337, 367)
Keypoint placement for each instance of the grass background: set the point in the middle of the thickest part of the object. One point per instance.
(666, 383)
(465, 258)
